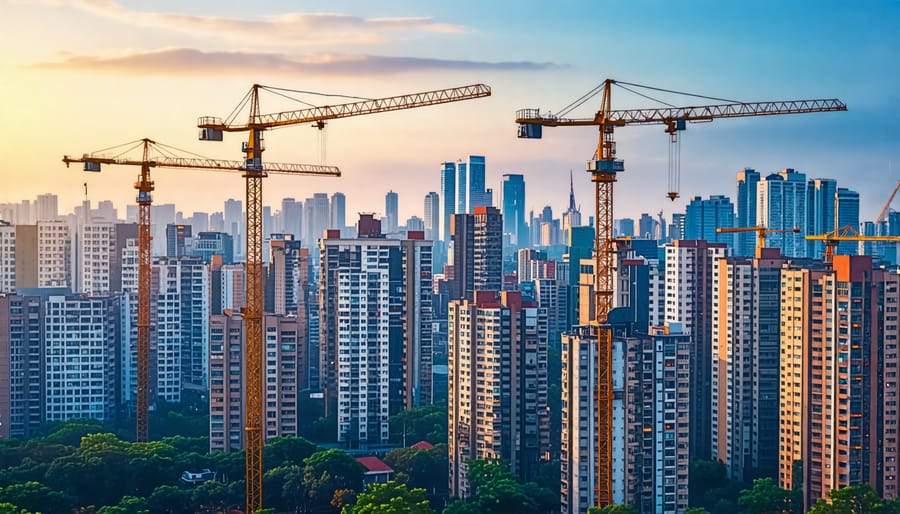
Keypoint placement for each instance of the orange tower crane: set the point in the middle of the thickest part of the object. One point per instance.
(157, 155)
(211, 129)
(604, 167)
(845, 233)
(761, 233)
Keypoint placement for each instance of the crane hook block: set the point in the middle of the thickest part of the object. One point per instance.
(530, 130)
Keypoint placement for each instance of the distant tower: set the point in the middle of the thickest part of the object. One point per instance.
(746, 211)
(432, 215)
(572, 216)
(338, 211)
(513, 209)
(390, 212)
(448, 198)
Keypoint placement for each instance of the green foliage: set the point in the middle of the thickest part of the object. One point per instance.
(327, 471)
(765, 497)
(286, 451)
(390, 498)
(9, 508)
(35, 496)
(696, 510)
(71, 432)
(426, 469)
(615, 508)
(426, 423)
(170, 498)
(496, 490)
(710, 488)
(128, 505)
(857, 499)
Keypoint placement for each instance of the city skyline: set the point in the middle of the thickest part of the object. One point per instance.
(151, 74)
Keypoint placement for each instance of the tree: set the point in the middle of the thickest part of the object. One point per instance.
(170, 498)
(9, 508)
(390, 498)
(764, 498)
(696, 510)
(36, 497)
(128, 505)
(285, 451)
(855, 499)
(426, 469)
(616, 508)
(426, 423)
(327, 471)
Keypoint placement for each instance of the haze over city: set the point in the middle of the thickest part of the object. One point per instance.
(84, 75)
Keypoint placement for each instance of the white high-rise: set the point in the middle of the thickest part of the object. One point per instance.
(95, 256)
(80, 341)
(54, 254)
(7, 258)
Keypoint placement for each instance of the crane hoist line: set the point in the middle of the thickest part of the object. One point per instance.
(604, 167)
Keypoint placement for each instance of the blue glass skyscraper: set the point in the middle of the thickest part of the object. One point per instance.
(703, 217)
(513, 209)
(448, 198)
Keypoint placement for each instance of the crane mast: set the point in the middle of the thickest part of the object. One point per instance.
(211, 129)
(604, 168)
(145, 187)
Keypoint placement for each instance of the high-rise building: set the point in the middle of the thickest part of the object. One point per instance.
(46, 208)
(338, 211)
(283, 370)
(657, 419)
(689, 269)
(820, 215)
(745, 364)
(703, 217)
(390, 212)
(432, 215)
(80, 348)
(847, 214)
(161, 215)
(512, 199)
(477, 252)
(448, 198)
(496, 412)
(624, 227)
(646, 227)
(475, 187)
(54, 254)
(316, 218)
(781, 204)
(578, 451)
(227, 287)
(21, 365)
(7, 257)
(292, 217)
(287, 276)
(177, 240)
(745, 242)
(208, 244)
(234, 224)
(374, 329)
(96, 255)
(838, 377)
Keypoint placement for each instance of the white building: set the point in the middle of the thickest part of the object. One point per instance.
(54, 254)
(95, 256)
(80, 341)
(7, 258)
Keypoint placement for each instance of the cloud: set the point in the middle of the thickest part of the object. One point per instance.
(288, 28)
(189, 61)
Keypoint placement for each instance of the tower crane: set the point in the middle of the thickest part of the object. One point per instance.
(761, 233)
(845, 233)
(887, 205)
(604, 168)
(211, 129)
(157, 155)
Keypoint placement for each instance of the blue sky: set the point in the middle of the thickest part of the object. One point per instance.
(81, 75)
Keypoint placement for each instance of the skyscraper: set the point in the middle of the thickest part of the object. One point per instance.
(80, 333)
(316, 218)
(745, 242)
(54, 254)
(7, 257)
(477, 252)
(688, 292)
(96, 250)
(572, 217)
(292, 217)
(820, 214)
(513, 210)
(745, 364)
(338, 211)
(22, 361)
(838, 388)
(475, 186)
(496, 412)
(703, 217)
(781, 204)
(847, 207)
(375, 329)
(432, 216)
(448, 198)
(390, 212)
(287, 276)
(178, 240)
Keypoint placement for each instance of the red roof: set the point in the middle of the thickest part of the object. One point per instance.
(422, 445)
(374, 464)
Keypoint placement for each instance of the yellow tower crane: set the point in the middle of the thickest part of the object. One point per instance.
(845, 233)
(604, 168)
(761, 233)
(158, 155)
(211, 129)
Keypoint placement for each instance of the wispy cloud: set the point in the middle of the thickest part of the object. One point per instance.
(289, 28)
(188, 61)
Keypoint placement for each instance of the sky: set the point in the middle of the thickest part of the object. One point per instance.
(78, 76)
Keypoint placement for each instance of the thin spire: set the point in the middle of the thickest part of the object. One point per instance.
(572, 207)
